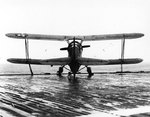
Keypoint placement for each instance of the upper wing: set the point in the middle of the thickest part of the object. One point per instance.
(91, 61)
(83, 38)
(113, 36)
(55, 61)
(38, 36)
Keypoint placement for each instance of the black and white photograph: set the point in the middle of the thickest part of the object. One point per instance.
(74, 58)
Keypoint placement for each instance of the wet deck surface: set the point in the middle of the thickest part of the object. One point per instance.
(53, 96)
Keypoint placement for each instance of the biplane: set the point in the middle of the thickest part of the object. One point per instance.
(75, 48)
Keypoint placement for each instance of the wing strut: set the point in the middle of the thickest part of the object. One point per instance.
(122, 52)
(27, 53)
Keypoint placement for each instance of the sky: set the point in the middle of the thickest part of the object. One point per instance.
(75, 17)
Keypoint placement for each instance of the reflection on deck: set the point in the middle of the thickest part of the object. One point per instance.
(45, 96)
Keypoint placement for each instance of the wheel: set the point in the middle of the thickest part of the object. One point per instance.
(89, 71)
(59, 72)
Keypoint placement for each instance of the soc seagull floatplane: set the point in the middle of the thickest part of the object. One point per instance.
(75, 48)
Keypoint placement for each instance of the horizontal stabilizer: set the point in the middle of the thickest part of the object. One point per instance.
(55, 61)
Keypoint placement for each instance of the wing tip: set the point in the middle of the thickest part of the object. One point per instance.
(8, 34)
(132, 35)
(11, 60)
(140, 35)
(139, 60)
(16, 35)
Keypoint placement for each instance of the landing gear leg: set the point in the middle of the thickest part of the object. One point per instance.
(89, 72)
(69, 76)
(74, 77)
(59, 72)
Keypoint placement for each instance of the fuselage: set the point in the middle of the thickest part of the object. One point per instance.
(74, 51)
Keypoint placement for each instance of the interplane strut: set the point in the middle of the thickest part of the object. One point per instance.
(122, 52)
(27, 54)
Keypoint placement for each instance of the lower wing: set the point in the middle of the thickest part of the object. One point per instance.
(124, 61)
(82, 61)
(91, 61)
(55, 61)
